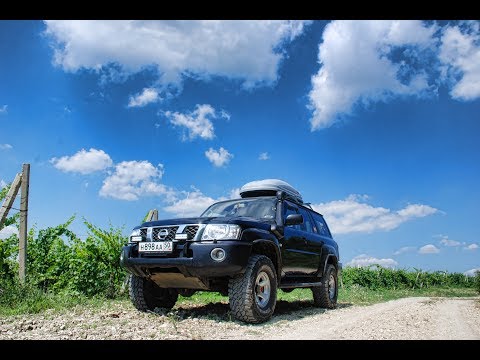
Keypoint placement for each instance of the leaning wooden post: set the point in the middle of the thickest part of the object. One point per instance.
(22, 248)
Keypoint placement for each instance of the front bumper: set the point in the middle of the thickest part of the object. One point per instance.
(198, 264)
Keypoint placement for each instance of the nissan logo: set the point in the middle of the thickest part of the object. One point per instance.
(162, 234)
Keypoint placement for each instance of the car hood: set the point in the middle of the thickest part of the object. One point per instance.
(245, 222)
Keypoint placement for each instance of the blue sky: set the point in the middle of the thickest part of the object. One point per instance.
(376, 123)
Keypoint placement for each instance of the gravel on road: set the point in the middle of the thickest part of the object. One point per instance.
(407, 318)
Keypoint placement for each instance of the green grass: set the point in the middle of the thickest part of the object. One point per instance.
(30, 301)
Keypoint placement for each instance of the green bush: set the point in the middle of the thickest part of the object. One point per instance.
(376, 277)
(94, 265)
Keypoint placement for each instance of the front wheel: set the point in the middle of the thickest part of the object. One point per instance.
(146, 295)
(253, 295)
(326, 294)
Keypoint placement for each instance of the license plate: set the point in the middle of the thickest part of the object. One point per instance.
(158, 246)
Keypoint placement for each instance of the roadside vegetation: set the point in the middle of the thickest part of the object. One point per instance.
(64, 270)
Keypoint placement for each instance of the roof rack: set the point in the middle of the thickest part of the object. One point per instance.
(269, 187)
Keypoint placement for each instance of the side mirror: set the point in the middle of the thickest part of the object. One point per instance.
(294, 219)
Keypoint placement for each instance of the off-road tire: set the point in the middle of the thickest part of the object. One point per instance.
(246, 295)
(322, 297)
(146, 295)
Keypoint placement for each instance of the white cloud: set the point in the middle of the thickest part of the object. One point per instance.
(471, 247)
(445, 241)
(218, 158)
(471, 272)
(147, 96)
(225, 115)
(366, 260)
(195, 202)
(352, 215)
(356, 68)
(2, 183)
(198, 122)
(234, 193)
(5, 146)
(3, 109)
(460, 51)
(405, 249)
(263, 156)
(8, 231)
(132, 179)
(83, 162)
(429, 249)
(249, 51)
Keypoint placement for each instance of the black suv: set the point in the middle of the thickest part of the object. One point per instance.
(245, 248)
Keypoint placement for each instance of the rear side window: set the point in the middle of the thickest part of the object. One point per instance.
(321, 225)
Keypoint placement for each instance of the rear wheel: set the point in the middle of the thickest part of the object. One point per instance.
(326, 294)
(146, 295)
(253, 295)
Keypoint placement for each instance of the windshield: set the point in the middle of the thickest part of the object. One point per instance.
(258, 208)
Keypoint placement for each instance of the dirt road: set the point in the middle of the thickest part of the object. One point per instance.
(409, 318)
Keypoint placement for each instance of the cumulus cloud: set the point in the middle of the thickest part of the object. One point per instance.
(8, 231)
(249, 51)
(5, 146)
(263, 156)
(354, 215)
(366, 260)
(198, 123)
(404, 250)
(83, 162)
(357, 66)
(3, 109)
(133, 179)
(471, 272)
(234, 193)
(147, 96)
(218, 158)
(445, 241)
(460, 52)
(471, 247)
(429, 249)
(195, 202)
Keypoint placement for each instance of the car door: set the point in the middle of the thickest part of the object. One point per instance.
(298, 256)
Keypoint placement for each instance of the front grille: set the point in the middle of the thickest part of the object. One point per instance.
(171, 233)
(143, 232)
(191, 230)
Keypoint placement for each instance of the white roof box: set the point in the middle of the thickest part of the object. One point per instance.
(269, 187)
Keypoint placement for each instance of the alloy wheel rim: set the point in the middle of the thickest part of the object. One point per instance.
(262, 289)
(331, 287)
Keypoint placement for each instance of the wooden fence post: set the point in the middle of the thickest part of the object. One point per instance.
(10, 198)
(22, 247)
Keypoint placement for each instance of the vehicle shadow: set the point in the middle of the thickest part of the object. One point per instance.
(284, 310)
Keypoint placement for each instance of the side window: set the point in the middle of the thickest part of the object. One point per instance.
(321, 225)
(307, 221)
(289, 209)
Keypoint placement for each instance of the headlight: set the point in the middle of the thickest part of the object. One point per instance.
(220, 232)
(136, 235)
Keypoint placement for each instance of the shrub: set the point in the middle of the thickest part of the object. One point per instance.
(376, 277)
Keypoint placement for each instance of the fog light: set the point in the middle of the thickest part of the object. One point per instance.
(218, 254)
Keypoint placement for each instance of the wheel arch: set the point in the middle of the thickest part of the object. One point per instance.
(271, 250)
(329, 256)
